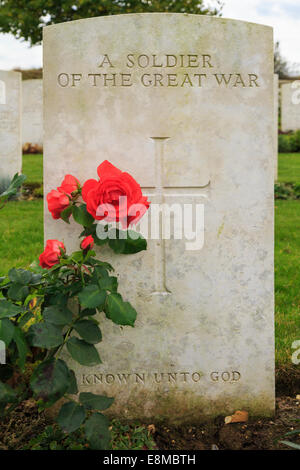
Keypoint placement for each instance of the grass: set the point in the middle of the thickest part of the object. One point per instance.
(21, 241)
(33, 168)
(287, 277)
(289, 167)
(21, 233)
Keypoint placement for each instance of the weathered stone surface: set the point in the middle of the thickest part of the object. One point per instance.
(290, 106)
(10, 124)
(32, 115)
(276, 102)
(203, 342)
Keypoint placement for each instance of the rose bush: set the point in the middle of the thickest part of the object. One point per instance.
(37, 324)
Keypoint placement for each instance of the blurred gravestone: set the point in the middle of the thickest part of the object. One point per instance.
(290, 106)
(32, 115)
(276, 99)
(10, 124)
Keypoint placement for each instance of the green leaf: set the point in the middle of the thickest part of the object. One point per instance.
(6, 331)
(8, 309)
(57, 315)
(45, 335)
(88, 312)
(12, 190)
(36, 279)
(73, 389)
(57, 299)
(99, 272)
(84, 353)
(65, 214)
(18, 292)
(71, 416)
(293, 445)
(109, 283)
(7, 394)
(50, 381)
(22, 347)
(25, 318)
(97, 431)
(20, 276)
(127, 246)
(81, 215)
(120, 312)
(92, 297)
(95, 402)
(89, 331)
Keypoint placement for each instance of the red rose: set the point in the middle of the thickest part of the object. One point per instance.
(69, 185)
(51, 253)
(103, 197)
(57, 202)
(87, 243)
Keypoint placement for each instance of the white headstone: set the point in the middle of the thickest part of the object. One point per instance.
(10, 124)
(32, 116)
(185, 104)
(290, 106)
(276, 101)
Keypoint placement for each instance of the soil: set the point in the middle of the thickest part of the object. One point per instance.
(25, 422)
(22, 424)
(260, 434)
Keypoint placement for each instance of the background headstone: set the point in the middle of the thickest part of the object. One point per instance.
(10, 124)
(276, 102)
(290, 106)
(146, 92)
(32, 116)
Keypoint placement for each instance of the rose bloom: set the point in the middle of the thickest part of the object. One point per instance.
(57, 202)
(69, 185)
(87, 243)
(51, 253)
(112, 185)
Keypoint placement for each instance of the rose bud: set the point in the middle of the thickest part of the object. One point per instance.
(51, 253)
(87, 243)
(57, 202)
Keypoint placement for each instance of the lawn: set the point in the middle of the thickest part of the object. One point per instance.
(33, 168)
(287, 277)
(289, 167)
(21, 233)
(21, 240)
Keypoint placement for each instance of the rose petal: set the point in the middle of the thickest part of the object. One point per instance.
(88, 185)
(107, 168)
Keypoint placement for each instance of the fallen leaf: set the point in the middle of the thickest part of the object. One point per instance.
(237, 417)
(151, 428)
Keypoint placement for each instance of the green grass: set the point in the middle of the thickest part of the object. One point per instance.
(289, 167)
(287, 277)
(33, 168)
(21, 233)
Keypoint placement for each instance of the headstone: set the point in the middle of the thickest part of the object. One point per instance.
(290, 106)
(32, 116)
(276, 102)
(185, 104)
(10, 124)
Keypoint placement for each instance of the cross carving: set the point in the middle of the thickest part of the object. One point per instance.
(160, 192)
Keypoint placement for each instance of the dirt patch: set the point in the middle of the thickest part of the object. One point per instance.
(23, 423)
(287, 380)
(254, 435)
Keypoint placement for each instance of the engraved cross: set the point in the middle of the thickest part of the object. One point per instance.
(160, 192)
